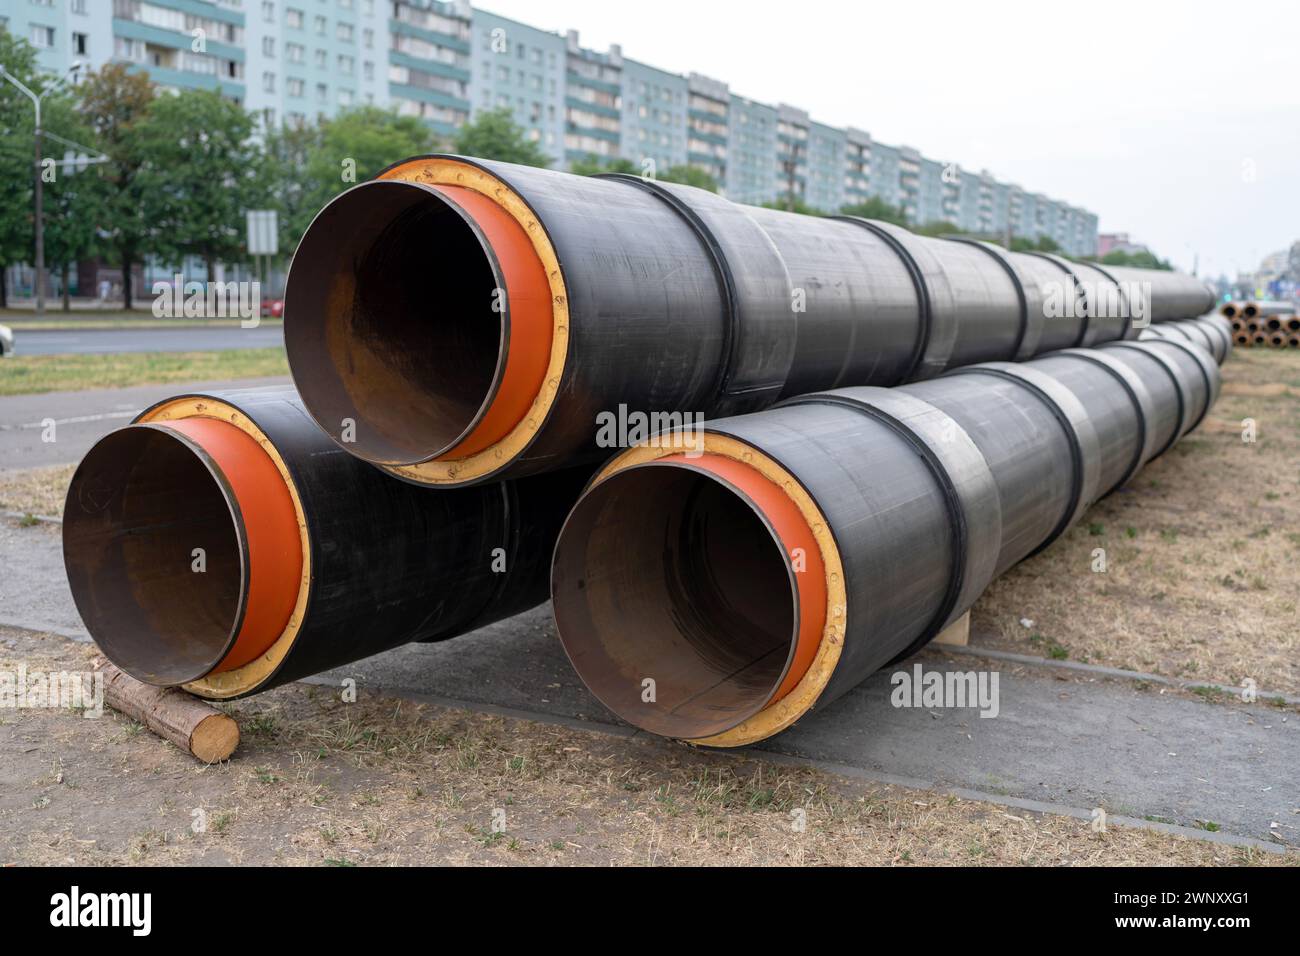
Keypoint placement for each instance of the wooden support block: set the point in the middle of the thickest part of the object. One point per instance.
(956, 634)
(190, 723)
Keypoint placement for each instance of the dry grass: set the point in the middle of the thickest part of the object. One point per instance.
(1202, 551)
(35, 491)
(320, 782)
(30, 374)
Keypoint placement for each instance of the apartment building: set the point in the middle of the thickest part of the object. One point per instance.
(444, 61)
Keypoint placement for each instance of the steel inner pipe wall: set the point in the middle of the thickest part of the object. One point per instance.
(914, 499)
(464, 320)
(222, 542)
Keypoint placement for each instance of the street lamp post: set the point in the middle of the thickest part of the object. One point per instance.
(40, 197)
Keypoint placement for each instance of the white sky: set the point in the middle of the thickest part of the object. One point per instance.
(1178, 123)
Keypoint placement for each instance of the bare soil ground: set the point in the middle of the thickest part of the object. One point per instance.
(1202, 553)
(1202, 575)
(317, 781)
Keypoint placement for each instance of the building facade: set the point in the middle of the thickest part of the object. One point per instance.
(295, 61)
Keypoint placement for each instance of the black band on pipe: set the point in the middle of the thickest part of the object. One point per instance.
(926, 320)
(952, 502)
(726, 279)
(1128, 306)
(1190, 329)
(1225, 338)
(1109, 364)
(1010, 270)
(1172, 371)
(1072, 436)
(1174, 327)
(1199, 360)
(1064, 265)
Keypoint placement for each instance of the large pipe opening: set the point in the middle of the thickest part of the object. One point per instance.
(393, 321)
(182, 547)
(154, 555)
(666, 573)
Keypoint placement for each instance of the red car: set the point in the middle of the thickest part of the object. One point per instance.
(273, 308)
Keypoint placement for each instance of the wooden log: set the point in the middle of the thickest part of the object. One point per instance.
(956, 634)
(191, 724)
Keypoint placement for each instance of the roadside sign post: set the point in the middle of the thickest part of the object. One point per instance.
(263, 241)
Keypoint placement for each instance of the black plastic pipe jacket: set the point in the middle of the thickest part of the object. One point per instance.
(388, 562)
(1212, 332)
(929, 492)
(679, 300)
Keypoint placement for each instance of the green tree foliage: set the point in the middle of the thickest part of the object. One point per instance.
(940, 227)
(17, 156)
(72, 199)
(689, 176)
(114, 104)
(1141, 258)
(593, 165)
(797, 205)
(496, 135)
(201, 172)
(876, 208)
(1041, 244)
(310, 165)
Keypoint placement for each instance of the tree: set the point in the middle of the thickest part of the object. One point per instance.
(73, 198)
(939, 227)
(201, 172)
(1041, 244)
(798, 205)
(308, 166)
(593, 165)
(496, 135)
(16, 157)
(114, 104)
(689, 176)
(1142, 258)
(876, 208)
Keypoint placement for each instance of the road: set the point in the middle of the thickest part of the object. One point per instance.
(1059, 738)
(106, 341)
(81, 418)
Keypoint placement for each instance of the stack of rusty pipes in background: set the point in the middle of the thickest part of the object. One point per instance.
(1274, 324)
(462, 325)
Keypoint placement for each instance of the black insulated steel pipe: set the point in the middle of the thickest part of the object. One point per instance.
(222, 542)
(463, 320)
(720, 595)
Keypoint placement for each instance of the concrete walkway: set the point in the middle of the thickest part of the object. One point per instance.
(1061, 737)
(81, 418)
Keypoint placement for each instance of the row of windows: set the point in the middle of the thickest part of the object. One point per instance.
(405, 76)
(177, 21)
(497, 40)
(295, 86)
(431, 20)
(45, 38)
(168, 58)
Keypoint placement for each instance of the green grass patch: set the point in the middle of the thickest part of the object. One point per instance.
(32, 374)
(74, 324)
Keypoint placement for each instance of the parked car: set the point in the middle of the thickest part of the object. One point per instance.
(6, 340)
(273, 308)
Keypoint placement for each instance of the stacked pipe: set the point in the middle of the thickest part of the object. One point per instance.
(1263, 323)
(464, 324)
(562, 297)
(721, 597)
(222, 542)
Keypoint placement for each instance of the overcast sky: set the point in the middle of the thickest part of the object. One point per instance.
(1178, 123)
